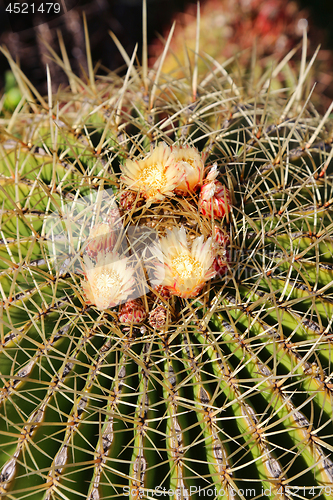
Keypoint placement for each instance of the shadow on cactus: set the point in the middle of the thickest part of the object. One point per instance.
(166, 284)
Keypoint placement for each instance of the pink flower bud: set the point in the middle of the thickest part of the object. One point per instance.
(102, 238)
(114, 218)
(221, 242)
(132, 311)
(157, 317)
(214, 199)
(191, 163)
(128, 199)
(108, 280)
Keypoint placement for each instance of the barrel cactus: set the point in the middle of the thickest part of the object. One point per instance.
(166, 288)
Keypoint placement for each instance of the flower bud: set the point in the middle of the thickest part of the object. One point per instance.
(157, 317)
(163, 291)
(214, 199)
(221, 242)
(132, 311)
(129, 199)
(190, 162)
(102, 238)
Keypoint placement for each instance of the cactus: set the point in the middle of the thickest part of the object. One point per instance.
(242, 29)
(222, 390)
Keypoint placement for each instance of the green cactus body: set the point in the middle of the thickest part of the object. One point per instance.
(231, 395)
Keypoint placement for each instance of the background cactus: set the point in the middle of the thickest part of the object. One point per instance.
(240, 29)
(234, 392)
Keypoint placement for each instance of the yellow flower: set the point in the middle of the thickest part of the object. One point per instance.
(191, 163)
(109, 282)
(182, 270)
(156, 176)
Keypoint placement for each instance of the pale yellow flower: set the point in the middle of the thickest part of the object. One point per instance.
(156, 176)
(182, 270)
(191, 163)
(109, 282)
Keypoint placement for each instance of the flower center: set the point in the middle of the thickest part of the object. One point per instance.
(188, 160)
(107, 280)
(154, 177)
(186, 266)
